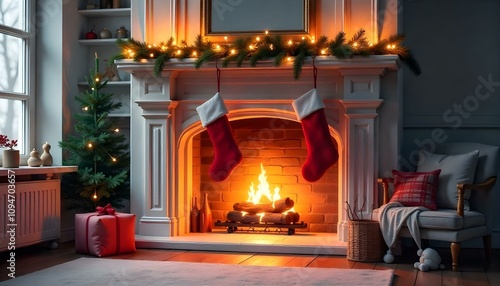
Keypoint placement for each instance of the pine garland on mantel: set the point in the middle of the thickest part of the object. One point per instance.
(255, 49)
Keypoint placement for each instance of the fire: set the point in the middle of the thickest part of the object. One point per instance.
(263, 191)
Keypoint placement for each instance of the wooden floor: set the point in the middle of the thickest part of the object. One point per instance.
(474, 270)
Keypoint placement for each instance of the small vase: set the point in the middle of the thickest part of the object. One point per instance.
(46, 156)
(11, 158)
(34, 159)
(205, 216)
(195, 216)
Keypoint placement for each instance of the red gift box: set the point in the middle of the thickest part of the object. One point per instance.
(104, 233)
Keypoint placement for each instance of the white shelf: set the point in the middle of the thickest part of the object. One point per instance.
(119, 115)
(118, 12)
(99, 42)
(110, 83)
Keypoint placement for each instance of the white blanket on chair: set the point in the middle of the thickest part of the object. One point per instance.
(392, 217)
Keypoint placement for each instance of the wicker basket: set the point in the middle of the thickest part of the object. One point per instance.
(365, 241)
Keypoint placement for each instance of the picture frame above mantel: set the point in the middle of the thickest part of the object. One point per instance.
(225, 20)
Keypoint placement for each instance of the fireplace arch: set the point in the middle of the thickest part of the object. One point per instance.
(185, 147)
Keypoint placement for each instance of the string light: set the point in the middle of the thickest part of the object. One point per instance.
(117, 130)
(131, 48)
(86, 108)
(95, 195)
(90, 145)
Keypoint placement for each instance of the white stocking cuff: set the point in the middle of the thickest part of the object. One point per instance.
(211, 110)
(307, 104)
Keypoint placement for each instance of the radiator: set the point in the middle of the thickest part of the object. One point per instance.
(37, 213)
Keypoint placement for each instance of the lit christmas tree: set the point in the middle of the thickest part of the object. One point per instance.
(98, 149)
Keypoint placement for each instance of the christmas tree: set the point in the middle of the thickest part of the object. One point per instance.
(99, 151)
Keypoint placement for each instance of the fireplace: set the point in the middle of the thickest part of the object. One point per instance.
(170, 154)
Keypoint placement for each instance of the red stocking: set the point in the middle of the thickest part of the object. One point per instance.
(227, 154)
(321, 152)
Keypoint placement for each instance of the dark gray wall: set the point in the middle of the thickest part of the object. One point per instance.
(457, 97)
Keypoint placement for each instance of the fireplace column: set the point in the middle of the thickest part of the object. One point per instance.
(360, 127)
(153, 158)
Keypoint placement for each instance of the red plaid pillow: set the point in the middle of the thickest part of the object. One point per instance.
(416, 188)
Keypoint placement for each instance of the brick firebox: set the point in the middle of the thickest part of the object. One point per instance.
(281, 148)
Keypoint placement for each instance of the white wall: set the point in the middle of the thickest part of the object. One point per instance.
(456, 44)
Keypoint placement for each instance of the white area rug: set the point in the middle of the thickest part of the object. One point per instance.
(95, 271)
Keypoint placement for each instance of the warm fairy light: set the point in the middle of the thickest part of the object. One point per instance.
(303, 38)
(266, 32)
(271, 47)
(163, 48)
(313, 40)
(86, 108)
(89, 145)
(217, 47)
(257, 39)
(94, 196)
(195, 54)
(152, 55)
(290, 42)
(323, 51)
(251, 47)
(289, 59)
(117, 130)
(391, 47)
(92, 88)
(225, 38)
(355, 44)
(113, 159)
(233, 51)
(149, 46)
(97, 79)
(179, 52)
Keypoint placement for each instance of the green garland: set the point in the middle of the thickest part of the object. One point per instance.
(255, 49)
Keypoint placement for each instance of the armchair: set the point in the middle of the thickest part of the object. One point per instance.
(471, 214)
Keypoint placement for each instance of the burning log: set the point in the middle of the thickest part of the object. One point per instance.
(276, 218)
(281, 205)
(295, 217)
(250, 207)
(237, 216)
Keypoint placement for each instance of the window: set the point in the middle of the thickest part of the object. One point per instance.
(17, 48)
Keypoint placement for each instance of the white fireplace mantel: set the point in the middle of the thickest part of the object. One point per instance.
(164, 120)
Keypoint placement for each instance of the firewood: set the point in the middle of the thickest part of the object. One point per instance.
(275, 218)
(237, 216)
(252, 208)
(282, 205)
